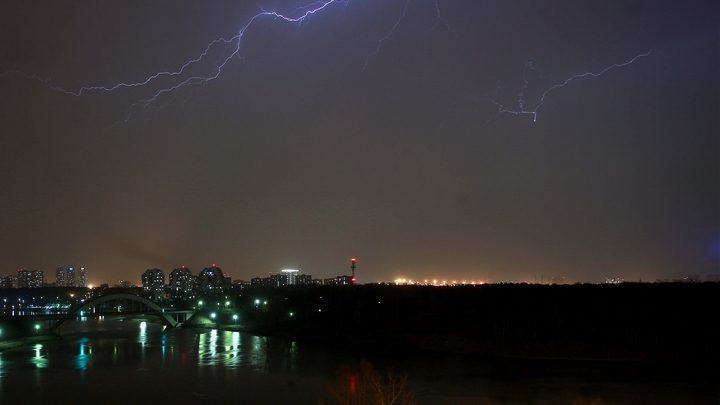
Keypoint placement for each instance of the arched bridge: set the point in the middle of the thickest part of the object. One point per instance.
(117, 304)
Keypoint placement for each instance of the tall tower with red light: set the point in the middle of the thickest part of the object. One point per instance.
(352, 267)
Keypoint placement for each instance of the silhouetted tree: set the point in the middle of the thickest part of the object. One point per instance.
(365, 385)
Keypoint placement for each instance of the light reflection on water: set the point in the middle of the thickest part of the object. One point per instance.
(234, 349)
(82, 359)
(153, 346)
(38, 359)
(106, 357)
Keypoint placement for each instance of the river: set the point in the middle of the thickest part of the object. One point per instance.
(112, 362)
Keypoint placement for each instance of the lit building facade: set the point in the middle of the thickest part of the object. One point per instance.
(9, 282)
(285, 277)
(70, 277)
(60, 277)
(82, 277)
(29, 278)
(290, 276)
(153, 281)
(181, 283)
(344, 280)
(210, 280)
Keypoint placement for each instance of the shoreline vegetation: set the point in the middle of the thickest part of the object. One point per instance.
(630, 322)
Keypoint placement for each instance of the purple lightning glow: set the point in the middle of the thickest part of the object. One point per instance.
(532, 108)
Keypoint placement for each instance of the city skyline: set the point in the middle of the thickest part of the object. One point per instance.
(432, 140)
(446, 279)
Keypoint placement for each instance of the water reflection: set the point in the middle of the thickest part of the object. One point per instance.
(142, 336)
(222, 366)
(38, 359)
(82, 359)
(163, 344)
(220, 348)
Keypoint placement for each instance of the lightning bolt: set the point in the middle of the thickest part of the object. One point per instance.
(383, 39)
(232, 50)
(531, 108)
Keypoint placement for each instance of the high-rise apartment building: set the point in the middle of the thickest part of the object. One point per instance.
(70, 277)
(82, 277)
(60, 277)
(211, 279)
(290, 277)
(181, 282)
(9, 282)
(29, 278)
(153, 281)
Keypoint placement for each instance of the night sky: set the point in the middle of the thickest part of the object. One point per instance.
(321, 141)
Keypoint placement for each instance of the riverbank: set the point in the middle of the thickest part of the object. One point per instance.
(27, 341)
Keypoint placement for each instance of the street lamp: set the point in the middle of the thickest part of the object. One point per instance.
(37, 327)
(235, 318)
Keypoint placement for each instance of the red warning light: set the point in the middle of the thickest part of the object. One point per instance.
(352, 260)
(353, 279)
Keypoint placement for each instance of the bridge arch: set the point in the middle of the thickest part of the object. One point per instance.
(90, 306)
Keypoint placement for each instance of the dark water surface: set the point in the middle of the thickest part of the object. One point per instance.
(102, 361)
